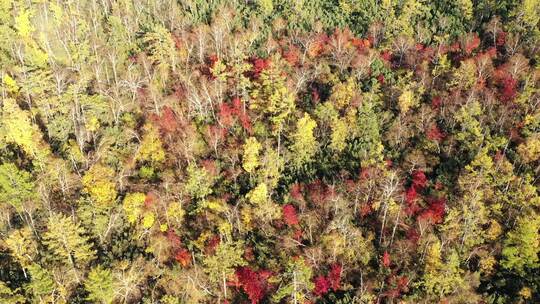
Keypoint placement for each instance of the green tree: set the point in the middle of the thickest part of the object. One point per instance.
(296, 282)
(522, 245)
(66, 242)
(222, 264)
(99, 285)
(16, 186)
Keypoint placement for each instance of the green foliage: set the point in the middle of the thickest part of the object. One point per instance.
(66, 242)
(100, 285)
(198, 184)
(271, 95)
(295, 282)
(522, 245)
(16, 186)
(222, 264)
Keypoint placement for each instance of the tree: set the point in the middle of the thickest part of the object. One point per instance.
(66, 242)
(296, 282)
(16, 186)
(271, 96)
(221, 265)
(304, 144)
(251, 154)
(99, 183)
(99, 285)
(522, 245)
(199, 183)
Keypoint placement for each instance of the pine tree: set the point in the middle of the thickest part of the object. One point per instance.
(66, 242)
(16, 186)
(99, 285)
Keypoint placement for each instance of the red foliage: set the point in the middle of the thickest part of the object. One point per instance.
(386, 259)
(315, 95)
(365, 173)
(471, 43)
(508, 88)
(210, 166)
(321, 286)
(318, 192)
(248, 254)
(436, 102)
(412, 235)
(149, 199)
(183, 257)
(212, 244)
(411, 195)
(229, 113)
(491, 52)
(360, 44)
(296, 192)
(501, 38)
(226, 115)
(206, 70)
(292, 55)
(334, 276)
(435, 212)
(254, 283)
(317, 47)
(380, 78)
(365, 210)
(174, 238)
(259, 65)
(403, 282)
(167, 121)
(298, 235)
(386, 56)
(410, 199)
(419, 180)
(435, 134)
(454, 47)
(289, 215)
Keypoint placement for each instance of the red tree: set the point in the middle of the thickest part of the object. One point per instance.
(254, 283)
(289, 215)
(386, 259)
(321, 286)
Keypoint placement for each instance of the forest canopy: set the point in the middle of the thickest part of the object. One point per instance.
(269, 151)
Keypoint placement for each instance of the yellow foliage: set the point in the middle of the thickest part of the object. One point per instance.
(487, 264)
(272, 96)
(339, 134)
(258, 195)
(10, 83)
(175, 212)
(251, 154)
(151, 149)
(407, 100)
(343, 93)
(132, 206)
(530, 149)
(99, 183)
(23, 25)
(163, 227)
(531, 12)
(16, 127)
(148, 220)
(304, 142)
